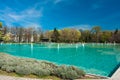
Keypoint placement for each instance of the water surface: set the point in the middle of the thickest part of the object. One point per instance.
(98, 59)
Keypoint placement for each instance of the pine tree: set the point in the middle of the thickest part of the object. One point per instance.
(55, 35)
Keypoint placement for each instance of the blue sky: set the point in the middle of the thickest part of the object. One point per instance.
(48, 14)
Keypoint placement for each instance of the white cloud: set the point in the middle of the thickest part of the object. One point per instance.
(83, 27)
(57, 1)
(29, 15)
(33, 25)
(16, 17)
(32, 15)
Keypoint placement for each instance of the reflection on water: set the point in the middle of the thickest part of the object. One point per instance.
(31, 49)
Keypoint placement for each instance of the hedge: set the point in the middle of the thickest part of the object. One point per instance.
(26, 66)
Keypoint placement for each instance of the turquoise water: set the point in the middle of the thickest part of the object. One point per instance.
(98, 59)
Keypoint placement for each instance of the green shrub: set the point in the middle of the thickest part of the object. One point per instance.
(42, 72)
(22, 70)
(68, 72)
(2, 62)
(80, 72)
(10, 69)
(4, 67)
(24, 66)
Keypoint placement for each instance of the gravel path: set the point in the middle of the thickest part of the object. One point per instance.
(3, 77)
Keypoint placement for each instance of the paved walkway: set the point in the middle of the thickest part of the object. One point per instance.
(116, 75)
(3, 77)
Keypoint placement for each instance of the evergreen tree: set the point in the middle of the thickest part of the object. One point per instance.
(116, 31)
(55, 35)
